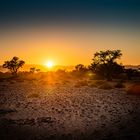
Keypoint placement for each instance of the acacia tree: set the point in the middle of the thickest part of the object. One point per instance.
(13, 65)
(104, 63)
(32, 70)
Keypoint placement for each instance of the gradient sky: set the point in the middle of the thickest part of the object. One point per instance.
(69, 32)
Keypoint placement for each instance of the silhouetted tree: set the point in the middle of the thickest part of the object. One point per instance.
(131, 73)
(13, 65)
(61, 71)
(104, 63)
(80, 68)
(37, 70)
(32, 70)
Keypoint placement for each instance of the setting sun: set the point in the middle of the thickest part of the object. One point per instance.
(49, 64)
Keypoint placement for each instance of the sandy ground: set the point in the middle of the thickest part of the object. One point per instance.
(31, 110)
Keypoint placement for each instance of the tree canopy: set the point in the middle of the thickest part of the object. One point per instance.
(13, 65)
(105, 63)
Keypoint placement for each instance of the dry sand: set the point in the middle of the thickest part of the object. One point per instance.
(31, 110)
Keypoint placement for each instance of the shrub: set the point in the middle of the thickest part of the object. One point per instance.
(106, 86)
(119, 85)
(32, 70)
(80, 68)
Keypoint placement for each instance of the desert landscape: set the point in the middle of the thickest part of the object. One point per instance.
(69, 70)
(51, 106)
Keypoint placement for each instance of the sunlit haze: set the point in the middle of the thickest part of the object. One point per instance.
(68, 45)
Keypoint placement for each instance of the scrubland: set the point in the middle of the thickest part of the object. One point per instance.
(64, 105)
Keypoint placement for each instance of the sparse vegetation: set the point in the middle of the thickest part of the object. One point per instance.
(104, 63)
(104, 67)
(130, 73)
(80, 71)
(61, 95)
(119, 85)
(13, 65)
(37, 70)
(81, 83)
(32, 70)
(80, 68)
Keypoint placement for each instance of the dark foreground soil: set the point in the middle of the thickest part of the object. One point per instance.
(36, 111)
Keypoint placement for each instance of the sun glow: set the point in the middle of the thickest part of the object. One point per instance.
(49, 64)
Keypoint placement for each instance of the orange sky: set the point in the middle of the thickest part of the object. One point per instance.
(67, 46)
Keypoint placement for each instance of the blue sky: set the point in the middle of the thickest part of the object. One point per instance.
(20, 11)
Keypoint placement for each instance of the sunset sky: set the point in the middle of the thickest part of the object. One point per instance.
(69, 33)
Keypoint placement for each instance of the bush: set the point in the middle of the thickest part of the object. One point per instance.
(119, 85)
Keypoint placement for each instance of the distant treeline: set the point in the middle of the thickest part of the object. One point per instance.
(104, 65)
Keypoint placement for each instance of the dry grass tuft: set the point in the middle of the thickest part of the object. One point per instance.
(81, 83)
(96, 83)
(99, 82)
(106, 86)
